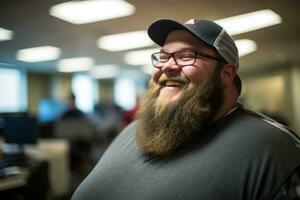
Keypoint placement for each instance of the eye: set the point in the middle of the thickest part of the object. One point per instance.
(163, 58)
(186, 56)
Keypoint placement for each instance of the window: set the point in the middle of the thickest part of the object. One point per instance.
(12, 89)
(83, 88)
(125, 93)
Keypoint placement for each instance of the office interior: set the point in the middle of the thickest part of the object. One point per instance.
(108, 80)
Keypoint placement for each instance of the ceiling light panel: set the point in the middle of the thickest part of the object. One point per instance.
(5, 34)
(104, 71)
(75, 64)
(38, 54)
(125, 41)
(82, 12)
(249, 22)
(245, 46)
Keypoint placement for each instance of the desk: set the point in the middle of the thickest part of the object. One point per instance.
(15, 181)
(56, 153)
(32, 182)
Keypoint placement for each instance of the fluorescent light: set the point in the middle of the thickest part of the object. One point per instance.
(249, 22)
(38, 54)
(140, 57)
(82, 12)
(125, 41)
(245, 46)
(5, 34)
(75, 64)
(104, 71)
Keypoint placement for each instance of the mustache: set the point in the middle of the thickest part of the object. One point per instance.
(180, 79)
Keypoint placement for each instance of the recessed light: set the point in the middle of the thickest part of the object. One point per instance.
(104, 71)
(245, 46)
(82, 12)
(125, 41)
(5, 34)
(38, 54)
(249, 22)
(75, 64)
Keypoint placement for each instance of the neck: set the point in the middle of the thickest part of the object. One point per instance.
(230, 102)
(223, 111)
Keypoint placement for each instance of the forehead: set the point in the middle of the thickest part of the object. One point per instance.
(184, 39)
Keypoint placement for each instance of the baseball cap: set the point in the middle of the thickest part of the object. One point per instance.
(209, 32)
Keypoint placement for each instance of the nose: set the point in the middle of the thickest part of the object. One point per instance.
(170, 66)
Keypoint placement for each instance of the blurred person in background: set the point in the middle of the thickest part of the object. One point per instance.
(129, 115)
(192, 139)
(72, 110)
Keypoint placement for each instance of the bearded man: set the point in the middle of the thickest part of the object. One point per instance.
(191, 139)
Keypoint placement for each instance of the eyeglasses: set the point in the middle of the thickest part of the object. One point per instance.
(182, 58)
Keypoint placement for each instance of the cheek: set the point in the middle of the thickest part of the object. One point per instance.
(200, 72)
(193, 74)
(156, 73)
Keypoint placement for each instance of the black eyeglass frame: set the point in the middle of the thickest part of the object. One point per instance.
(197, 53)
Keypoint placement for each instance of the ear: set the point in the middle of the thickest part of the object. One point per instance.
(228, 72)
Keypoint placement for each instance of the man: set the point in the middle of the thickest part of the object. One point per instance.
(72, 111)
(192, 140)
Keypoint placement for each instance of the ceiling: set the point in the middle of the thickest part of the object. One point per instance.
(32, 25)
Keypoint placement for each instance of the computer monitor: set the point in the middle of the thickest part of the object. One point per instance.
(49, 110)
(20, 130)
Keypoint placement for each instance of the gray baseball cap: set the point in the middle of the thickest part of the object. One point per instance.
(207, 31)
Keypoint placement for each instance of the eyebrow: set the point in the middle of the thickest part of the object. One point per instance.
(216, 54)
(192, 49)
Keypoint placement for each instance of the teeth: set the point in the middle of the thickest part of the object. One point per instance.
(173, 84)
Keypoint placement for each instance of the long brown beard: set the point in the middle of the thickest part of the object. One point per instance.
(163, 129)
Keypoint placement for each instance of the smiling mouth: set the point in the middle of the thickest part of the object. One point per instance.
(173, 84)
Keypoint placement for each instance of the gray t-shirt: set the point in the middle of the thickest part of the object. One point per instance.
(243, 156)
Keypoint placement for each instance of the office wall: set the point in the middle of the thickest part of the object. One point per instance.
(266, 93)
(61, 86)
(38, 87)
(295, 90)
(106, 88)
(47, 86)
(275, 92)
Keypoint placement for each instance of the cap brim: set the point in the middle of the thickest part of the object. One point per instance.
(159, 30)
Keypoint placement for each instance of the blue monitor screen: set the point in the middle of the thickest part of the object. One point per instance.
(50, 110)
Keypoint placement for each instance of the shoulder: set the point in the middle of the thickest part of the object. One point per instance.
(265, 128)
(256, 126)
(264, 147)
(256, 136)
